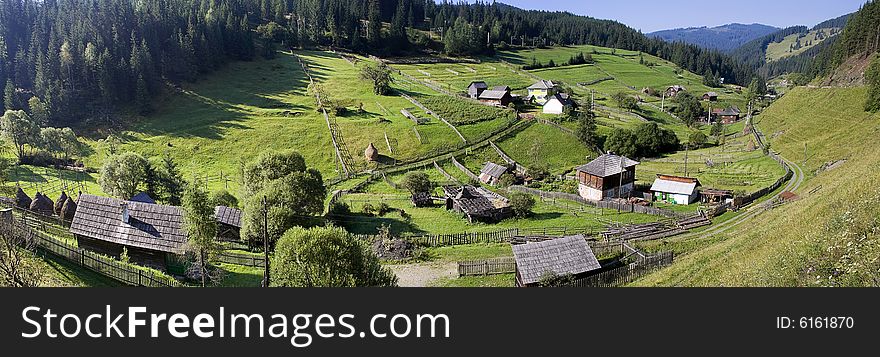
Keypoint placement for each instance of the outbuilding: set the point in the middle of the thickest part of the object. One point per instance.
(564, 257)
(675, 189)
(557, 104)
(476, 88)
(491, 173)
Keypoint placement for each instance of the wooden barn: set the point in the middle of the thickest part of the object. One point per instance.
(501, 98)
(153, 234)
(710, 97)
(729, 116)
(476, 88)
(228, 223)
(569, 256)
(477, 204)
(608, 176)
(673, 91)
(491, 173)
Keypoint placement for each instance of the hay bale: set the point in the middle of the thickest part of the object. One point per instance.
(22, 200)
(68, 210)
(371, 153)
(60, 203)
(42, 205)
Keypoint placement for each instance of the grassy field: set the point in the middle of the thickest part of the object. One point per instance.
(733, 167)
(829, 236)
(779, 50)
(546, 146)
(491, 281)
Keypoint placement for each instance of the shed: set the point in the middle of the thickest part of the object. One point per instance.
(710, 96)
(496, 97)
(729, 116)
(491, 173)
(569, 256)
(477, 204)
(422, 199)
(712, 196)
(228, 223)
(607, 176)
(476, 88)
(154, 234)
(675, 189)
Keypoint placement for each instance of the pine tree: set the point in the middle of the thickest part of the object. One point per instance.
(374, 25)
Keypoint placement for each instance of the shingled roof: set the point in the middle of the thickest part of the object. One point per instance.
(149, 226)
(228, 216)
(494, 170)
(143, 197)
(494, 94)
(479, 85)
(607, 165)
(542, 84)
(560, 257)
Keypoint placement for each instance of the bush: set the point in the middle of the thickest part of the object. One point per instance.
(383, 208)
(368, 209)
(522, 204)
(326, 257)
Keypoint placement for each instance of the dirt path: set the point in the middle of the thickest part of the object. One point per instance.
(421, 275)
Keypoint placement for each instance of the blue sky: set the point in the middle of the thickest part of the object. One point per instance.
(653, 15)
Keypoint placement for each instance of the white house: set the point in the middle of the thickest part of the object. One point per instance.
(541, 91)
(675, 190)
(556, 104)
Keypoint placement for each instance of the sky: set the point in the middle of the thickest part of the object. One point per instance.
(653, 15)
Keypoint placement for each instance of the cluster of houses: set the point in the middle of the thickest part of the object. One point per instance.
(543, 93)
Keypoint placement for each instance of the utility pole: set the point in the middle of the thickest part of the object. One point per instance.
(663, 102)
(592, 99)
(265, 283)
(620, 184)
(686, 149)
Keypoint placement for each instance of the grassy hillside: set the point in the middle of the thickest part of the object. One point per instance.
(779, 50)
(829, 236)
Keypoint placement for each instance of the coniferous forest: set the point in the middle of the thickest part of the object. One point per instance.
(80, 59)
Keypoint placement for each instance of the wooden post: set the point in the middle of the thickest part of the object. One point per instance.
(265, 244)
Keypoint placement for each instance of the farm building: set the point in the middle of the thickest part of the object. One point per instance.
(713, 196)
(557, 104)
(476, 88)
(711, 97)
(422, 199)
(563, 257)
(496, 97)
(729, 116)
(673, 91)
(675, 189)
(491, 173)
(228, 223)
(153, 234)
(608, 176)
(541, 91)
(477, 204)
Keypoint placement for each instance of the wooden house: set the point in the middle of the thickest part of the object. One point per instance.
(541, 91)
(557, 104)
(491, 173)
(563, 257)
(729, 116)
(501, 98)
(476, 88)
(673, 91)
(608, 176)
(675, 189)
(153, 234)
(710, 97)
(477, 204)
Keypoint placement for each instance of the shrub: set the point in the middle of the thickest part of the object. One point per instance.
(383, 208)
(522, 204)
(368, 209)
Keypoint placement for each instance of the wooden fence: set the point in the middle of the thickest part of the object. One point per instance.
(625, 274)
(623, 207)
(512, 235)
(504, 265)
(247, 260)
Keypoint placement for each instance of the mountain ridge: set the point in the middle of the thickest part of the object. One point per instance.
(724, 38)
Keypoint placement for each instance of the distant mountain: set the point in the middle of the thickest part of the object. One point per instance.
(725, 38)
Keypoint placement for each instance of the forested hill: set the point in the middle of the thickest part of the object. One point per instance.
(725, 38)
(80, 59)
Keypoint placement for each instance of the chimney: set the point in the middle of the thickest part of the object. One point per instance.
(125, 213)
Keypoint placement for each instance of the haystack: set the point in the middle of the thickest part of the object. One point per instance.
(42, 205)
(68, 210)
(60, 203)
(22, 200)
(371, 153)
